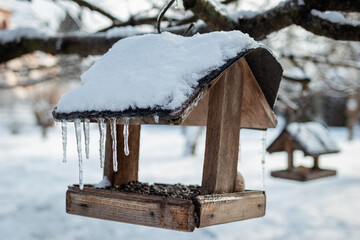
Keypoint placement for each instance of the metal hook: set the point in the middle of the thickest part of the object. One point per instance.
(162, 13)
(191, 26)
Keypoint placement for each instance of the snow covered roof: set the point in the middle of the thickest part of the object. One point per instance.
(159, 74)
(310, 137)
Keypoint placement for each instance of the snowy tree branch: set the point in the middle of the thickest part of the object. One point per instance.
(48, 77)
(334, 5)
(211, 13)
(325, 60)
(322, 27)
(258, 26)
(285, 14)
(82, 45)
(92, 7)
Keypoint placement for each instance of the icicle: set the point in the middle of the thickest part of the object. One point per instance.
(156, 118)
(78, 143)
(263, 155)
(87, 136)
(114, 143)
(102, 141)
(126, 136)
(64, 138)
(58, 44)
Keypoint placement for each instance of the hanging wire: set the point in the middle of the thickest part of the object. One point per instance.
(263, 157)
(191, 26)
(162, 13)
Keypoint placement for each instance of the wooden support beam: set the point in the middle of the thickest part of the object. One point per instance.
(222, 135)
(290, 152)
(128, 166)
(316, 162)
(108, 164)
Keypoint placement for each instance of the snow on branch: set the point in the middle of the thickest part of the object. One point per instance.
(29, 82)
(285, 14)
(211, 12)
(328, 28)
(66, 44)
(325, 60)
(308, 14)
(92, 7)
(334, 17)
(15, 43)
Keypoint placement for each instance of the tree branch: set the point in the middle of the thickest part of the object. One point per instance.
(95, 44)
(322, 27)
(82, 45)
(83, 3)
(258, 26)
(281, 16)
(211, 13)
(29, 82)
(325, 60)
(334, 5)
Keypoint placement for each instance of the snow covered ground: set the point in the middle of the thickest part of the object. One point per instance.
(33, 181)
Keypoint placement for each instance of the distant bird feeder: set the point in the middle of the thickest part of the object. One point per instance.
(222, 80)
(313, 139)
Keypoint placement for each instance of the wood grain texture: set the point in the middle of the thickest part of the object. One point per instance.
(222, 134)
(303, 174)
(256, 112)
(128, 166)
(162, 212)
(230, 207)
(154, 211)
(108, 164)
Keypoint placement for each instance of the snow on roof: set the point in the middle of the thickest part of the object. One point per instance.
(152, 71)
(313, 137)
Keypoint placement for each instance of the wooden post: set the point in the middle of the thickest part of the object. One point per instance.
(290, 152)
(128, 166)
(316, 162)
(108, 165)
(222, 135)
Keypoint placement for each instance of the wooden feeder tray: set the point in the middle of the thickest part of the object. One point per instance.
(165, 212)
(303, 173)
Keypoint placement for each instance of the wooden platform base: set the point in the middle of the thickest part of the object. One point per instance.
(163, 212)
(303, 173)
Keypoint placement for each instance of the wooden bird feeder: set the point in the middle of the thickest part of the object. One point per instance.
(239, 94)
(313, 139)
